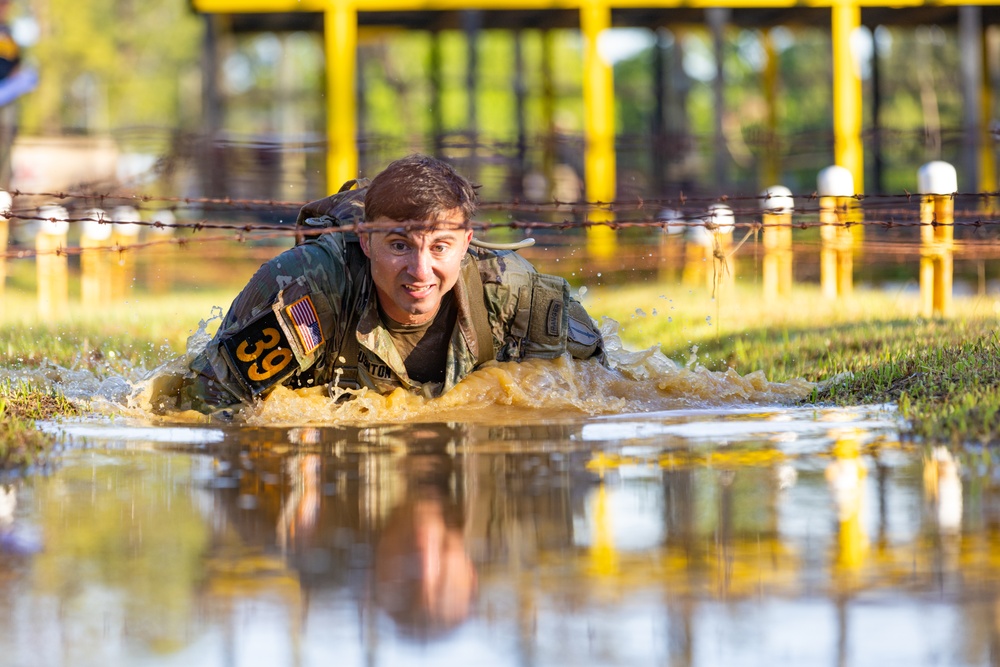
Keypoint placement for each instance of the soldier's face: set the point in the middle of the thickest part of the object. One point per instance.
(413, 270)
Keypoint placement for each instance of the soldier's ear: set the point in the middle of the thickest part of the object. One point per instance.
(365, 240)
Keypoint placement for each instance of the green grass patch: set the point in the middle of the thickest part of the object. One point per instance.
(868, 349)
(21, 444)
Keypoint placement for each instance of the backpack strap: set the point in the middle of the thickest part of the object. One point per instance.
(477, 311)
(349, 348)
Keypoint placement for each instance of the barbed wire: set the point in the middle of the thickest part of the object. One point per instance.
(658, 215)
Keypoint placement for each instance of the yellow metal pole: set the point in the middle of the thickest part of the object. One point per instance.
(599, 127)
(777, 204)
(95, 264)
(937, 182)
(847, 149)
(341, 36)
(51, 264)
(772, 164)
(835, 186)
(987, 153)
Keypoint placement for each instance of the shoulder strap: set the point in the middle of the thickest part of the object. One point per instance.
(477, 311)
(349, 348)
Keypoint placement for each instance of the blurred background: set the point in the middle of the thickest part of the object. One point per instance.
(166, 100)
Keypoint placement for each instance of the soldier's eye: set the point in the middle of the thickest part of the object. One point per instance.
(397, 246)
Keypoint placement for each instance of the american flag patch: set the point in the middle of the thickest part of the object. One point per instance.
(303, 316)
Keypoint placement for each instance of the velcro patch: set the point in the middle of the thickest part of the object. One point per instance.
(259, 354)
(302, 313)
(553, 319)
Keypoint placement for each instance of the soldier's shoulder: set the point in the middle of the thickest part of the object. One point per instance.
(500, 265)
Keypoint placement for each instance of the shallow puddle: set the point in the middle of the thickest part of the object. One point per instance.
(711, 536)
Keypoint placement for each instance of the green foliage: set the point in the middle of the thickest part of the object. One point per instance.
(124, 61)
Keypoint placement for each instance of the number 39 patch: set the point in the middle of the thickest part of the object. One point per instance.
(260, 354)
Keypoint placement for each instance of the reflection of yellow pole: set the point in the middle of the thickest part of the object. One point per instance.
(943, 487)
(603, 557)
(599, 127)
(836, 188)
(95, 263)
(845, 476)
(777, 203)
(52, 265)
(938, 181)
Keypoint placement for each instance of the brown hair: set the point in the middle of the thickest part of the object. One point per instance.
(418, 188)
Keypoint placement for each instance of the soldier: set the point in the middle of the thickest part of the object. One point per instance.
(412, 301)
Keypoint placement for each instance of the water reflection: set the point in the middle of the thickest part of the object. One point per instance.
(683, 538)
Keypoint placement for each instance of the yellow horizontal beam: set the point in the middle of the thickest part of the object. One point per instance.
(257, 6)
(284, 6)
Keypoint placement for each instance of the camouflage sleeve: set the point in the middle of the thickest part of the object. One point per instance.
(276, 327)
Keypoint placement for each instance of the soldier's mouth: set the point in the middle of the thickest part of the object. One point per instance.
(418, 291)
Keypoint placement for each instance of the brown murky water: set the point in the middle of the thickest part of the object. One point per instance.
(723, 535)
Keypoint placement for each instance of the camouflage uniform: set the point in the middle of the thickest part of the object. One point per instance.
(263, 342)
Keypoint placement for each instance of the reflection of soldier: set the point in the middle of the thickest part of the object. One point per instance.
(424, 578)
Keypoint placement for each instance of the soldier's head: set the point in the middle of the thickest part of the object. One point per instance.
(417, 212)
(419, 188)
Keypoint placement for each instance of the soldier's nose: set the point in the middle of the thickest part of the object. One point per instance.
(421, 267)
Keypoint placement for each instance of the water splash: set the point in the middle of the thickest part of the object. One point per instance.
(539, 390)
(536, 390)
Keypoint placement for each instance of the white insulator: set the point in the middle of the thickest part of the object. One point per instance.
(835, 181)
(164, 217)
(669, 215)
(53, 220)
(93, 227)
(6, 203)
(698, 234)
(777, 200)
(720, 219)
(937, 178)
(123, 215)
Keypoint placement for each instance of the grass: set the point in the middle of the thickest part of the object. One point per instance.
(873, 348)
(21, 444)
(870, 348)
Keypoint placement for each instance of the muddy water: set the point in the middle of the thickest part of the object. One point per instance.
(713, 535)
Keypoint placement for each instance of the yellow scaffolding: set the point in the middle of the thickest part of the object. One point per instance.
(341, 18)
